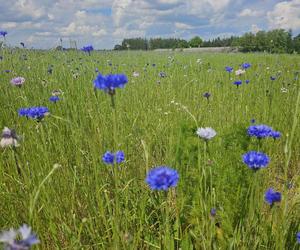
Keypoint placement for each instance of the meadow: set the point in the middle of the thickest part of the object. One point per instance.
(56, 180)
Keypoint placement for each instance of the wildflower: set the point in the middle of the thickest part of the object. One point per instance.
(9, 138)
(256, 160)
(3, 33)
(246, 65)
(237, 83)
(56, 92)
(247, 81)
(162, 74)
(273, 78)
(207, 95)
(284, 90)
(199, 61)
(259, 131)
(162, 178)
(213, 212)
(110, 158)
(228, 69)
(120, 157)
(275, 134)
(239, 72)
(28, 238)
(110, 82)
(54, 99)
(252, 120)
(87, 49)
(298, 237)
(18, 81)
(22, 44)
(34, 112)
(7, 71)
(136, 74)
(271, 196)
(206, 133)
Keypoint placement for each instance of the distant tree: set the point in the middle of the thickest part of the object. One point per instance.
(195, 42)
(118, 47)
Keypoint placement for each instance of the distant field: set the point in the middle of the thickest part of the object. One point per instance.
(73, 200)
(203, 50)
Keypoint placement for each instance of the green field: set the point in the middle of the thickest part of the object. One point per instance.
(72, 200)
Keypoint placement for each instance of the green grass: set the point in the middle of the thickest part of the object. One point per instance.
(73, 200)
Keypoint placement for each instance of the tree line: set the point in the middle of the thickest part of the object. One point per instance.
(273, 41)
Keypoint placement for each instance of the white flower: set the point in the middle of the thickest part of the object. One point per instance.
(240, 72)
(136, 74)
(9, 138)
(284, 90)
(8, 236)
(206, 133)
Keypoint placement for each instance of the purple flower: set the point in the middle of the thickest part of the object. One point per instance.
(207, 95)
(18, 81)
(298, 237)
(256, 160)
(110, 82)
(213, 212)
(247, 81)
(237, 83)
(228, 69)
(21, 239)
(273, 78)
(271, 196)
(120, 157)
(246, 65)
(34, 112)
(162, 178)
(54, 98)
(87, 49)
(259, 131)
(3, 33)
(275, 134)
(111, 158)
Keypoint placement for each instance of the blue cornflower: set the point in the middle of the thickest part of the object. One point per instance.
(207, 95)
(111, 158)
(34, 112)
(259, 131)
(246, 65)
(256, 160)
(272, 78)
(3, 33)
(247, 81)
(108, 157)
(213, 212)
(162, 74)
(54, 98)
(252, 120)
(271, 196)
(120, 157)
(237, 83)
(87, 49)
(162, 178)
(275, 134)
(228, 69)
(110, 82)
(298, 237)
(11, 240)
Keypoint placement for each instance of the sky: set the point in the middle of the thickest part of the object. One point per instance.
(105, 23)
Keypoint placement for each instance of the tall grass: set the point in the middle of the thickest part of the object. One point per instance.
(74, 201)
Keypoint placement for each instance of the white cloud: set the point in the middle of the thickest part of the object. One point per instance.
(250, 13)
(285, 15)
(183, 26)
(254, 28)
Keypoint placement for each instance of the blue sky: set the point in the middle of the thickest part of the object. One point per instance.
(104, 23)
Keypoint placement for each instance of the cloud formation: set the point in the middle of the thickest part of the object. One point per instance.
(104, 23)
